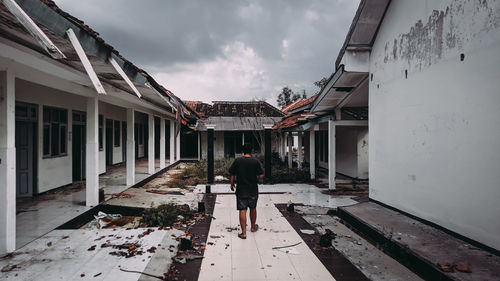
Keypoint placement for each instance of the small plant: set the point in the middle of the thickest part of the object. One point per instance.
(163, 215)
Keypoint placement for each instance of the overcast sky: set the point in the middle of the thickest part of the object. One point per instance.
(224, 50)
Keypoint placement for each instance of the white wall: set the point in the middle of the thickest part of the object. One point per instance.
(435, 136)
(346, 154)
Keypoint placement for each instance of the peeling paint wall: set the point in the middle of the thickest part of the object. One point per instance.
(435, 114)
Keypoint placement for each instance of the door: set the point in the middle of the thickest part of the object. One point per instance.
(79, 145)
(124, 141)
(25, 140)
(109, 142)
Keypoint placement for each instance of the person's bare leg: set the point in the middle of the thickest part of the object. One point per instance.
(243, 222)
(253, 217)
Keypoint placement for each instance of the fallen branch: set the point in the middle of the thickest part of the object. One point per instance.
(281, 247)
(150, 275)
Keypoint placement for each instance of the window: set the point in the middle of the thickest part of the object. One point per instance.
(55, 129)
(101, 141)
(116, 128)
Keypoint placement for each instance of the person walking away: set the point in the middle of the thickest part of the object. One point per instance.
(247, 170)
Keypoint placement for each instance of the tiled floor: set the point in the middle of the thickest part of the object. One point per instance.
(306, 194)
(231, 258)
(65, 255)
(37, 216)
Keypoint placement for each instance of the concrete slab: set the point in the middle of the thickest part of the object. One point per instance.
(427, 244)
(228, 257)
(374, 264)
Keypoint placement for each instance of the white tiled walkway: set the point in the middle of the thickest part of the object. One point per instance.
(231, 258)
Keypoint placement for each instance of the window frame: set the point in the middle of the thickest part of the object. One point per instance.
(50, 121)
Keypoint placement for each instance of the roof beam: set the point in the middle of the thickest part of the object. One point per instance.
(85, 61)
(35, 31)
(161, 96)
(124, 76)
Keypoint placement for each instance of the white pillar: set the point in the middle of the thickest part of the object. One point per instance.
(162, 143)
(283, 146)
(312, 154)
(299, 151)
(7, 162)
(172, 142)
(151, 144)
(92, 153)
(130, 147)
(178, 145)
(290, 149)
(331, 155)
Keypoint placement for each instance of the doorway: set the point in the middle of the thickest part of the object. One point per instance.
(109, 142)
(124, 141)
(79, 145)
(26, 150)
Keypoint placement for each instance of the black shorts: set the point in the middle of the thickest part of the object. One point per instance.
(247, 202)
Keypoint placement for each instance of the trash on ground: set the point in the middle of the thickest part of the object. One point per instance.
(289, 250)
(307, 231)
(326, 239)
(122, 195)
(281, 247)
(186, 243)
(463, 268)
(164, 192)
(445, 267)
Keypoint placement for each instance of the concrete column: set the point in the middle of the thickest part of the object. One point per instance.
(151, 144)
(312, 154)
(92, 153)
(172, 141)
(162, 143)
(267, 151)
(331, 155)
(283, 146)
(178, 145)
(290, 149)
(130, 147)
(210, 153)
(7, 162)
(299, 151)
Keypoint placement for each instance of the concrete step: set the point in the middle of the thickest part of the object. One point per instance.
(419, 246)
(372, 262)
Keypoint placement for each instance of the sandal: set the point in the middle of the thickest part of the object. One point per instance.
(256, 228)
(242, 236)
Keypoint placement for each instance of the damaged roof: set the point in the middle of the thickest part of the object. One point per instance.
(54, 22)
(298, 105)
(234, 123)
(235, 109)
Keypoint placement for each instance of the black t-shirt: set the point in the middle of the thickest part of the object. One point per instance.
(246, 170)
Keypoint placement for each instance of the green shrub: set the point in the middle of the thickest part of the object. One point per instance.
(163, 215)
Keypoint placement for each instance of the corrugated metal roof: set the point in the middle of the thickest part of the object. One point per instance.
(228, 123)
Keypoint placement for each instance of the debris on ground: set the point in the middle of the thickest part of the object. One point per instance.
(463, 268)
(164, 192)
(122, 195)
(326, 239)
(290, 208)
(445, 267)
(186, 243)
(282, 247)
(9, 267)
(307, 231)
(230, 229)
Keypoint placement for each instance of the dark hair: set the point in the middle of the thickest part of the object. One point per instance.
(247, 148)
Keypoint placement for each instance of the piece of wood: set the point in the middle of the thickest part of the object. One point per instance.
(120, 71)
(161, 96)
(85, 61)
(31, 26)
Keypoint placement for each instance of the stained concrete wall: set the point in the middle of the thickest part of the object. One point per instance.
(434, 119)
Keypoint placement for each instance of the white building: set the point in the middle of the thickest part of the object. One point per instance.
(70, 106)
(431, 72)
